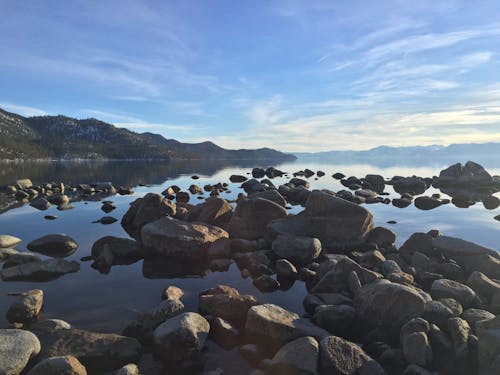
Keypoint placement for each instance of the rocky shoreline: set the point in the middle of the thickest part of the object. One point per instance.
(428, 307)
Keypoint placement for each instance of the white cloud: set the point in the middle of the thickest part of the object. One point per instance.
(22, 109)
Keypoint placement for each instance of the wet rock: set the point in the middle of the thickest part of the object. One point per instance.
(445, 288)
(271, 325)
(26, 308)
(256, 262)
(299, 357)
(272, 172)
(376, 181)
(401, 202)
(179, 239)
(266, 284)
(215, 211)
(489, 346)
(427, 203)
(334, 221)
(17, 347)
(227, 303)
(50, 217)
(389, 304)
(108, 207)
(40, 271)
(182, 197)
(299, 250)
(413, 185)
(146, 210)
(339, 356)
(338, 176)
(65, 365)
(181, 338)
(40, 203)
(55, 245)
(98, 352)
(251, 217)
(237, 178)
(106, 220)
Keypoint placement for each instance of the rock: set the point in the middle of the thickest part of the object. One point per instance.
(55, 245)
(412, 185)
(470, 256)
(337, 319)
(381, 236)
(109, 250)
(266, 284)
(482, 284)
(181, 338)
(472, 316)
(491, 202)
(299, 357)
(256, 262)
(401, 202)
(459, 331)
(17, 347)
(7, 241)
(227, 303)
(272, 172)
(273, 326)
(489, 346)
(195, 189)
(299, 250)
(49, 325)
(285, 269)
(215, 211)
(237, 178)
(130, 369)
(445, 288)
(312, 301)
(427, 203)
(271, 195)
(26, 308)
(173, 293)
(334, 221)
(470, 175)
(495, 303)
(339, 356)
(417, 349)
(7, 253)
(389, 304)
(146, 210)
(23, 183)
(421, 242)
(376, 181)
(108, 207)
(40, 203)
(441, 310)
(40, 271)
(258, 173)
(65, 365)
(336, 280)
(338, 176)
(223, 333)
(106, 220)
(416, 370)
(251, 217)
(182, 197)
(180, 239)
(20, 258)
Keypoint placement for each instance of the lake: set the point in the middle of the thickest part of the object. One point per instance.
(107, 302)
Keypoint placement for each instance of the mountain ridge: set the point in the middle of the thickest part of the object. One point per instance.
(62, 137)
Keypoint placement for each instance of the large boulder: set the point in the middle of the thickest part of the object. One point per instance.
(40, 271)
(17, 347)
(273, 326)
(98, 352)
(226, 303)
(469, 175)
(334, 221)
(26, 308)
(472, 257)
(146, 210)
(65, 365)
(215, 211)
(299, 357)
(339, 356)
(299, 250)
(181, 338)
(54, 245)
(179, 239)
(388, 304)
(251, 217)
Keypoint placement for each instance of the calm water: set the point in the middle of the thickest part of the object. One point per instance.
(106, 303)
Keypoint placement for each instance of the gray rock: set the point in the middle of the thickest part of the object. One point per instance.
(299, 250)
(40, 203)
(65, 365)
(20, 258)
(49, 325)
(181, 338)
(334, 221)
(488, 333)
(312, 301)
(335, 318)
(7, 253)
(40, 271)
(130, 369)
(274, 326)
(180, 239)
(172, 292)
(266, 283)
(439, 311)
(223, 333)
(427, 203)
(459, 331)
(285, 269)
(381, 236)
(482, 284)
(251, 217)
(54, 245)
(109, 250)
(472, 316)
(26, 308)
(299, 357)
(7, 241)
(339, 356)
(389, 304)
(417, 349)
(17, 347)
(445, 288)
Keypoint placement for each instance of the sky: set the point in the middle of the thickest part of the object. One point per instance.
(293, 75)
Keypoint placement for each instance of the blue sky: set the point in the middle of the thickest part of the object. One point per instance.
(293, 75)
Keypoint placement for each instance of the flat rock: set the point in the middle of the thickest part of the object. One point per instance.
(54, 245)
(17, 347)
(180, 239)
(40, 271)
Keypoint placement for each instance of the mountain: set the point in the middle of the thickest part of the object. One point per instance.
(413, 155)
(61, 137)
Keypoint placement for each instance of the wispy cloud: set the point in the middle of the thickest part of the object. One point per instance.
(22, 109)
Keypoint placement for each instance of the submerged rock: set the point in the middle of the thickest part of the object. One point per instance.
(54, 245)
(40, 271)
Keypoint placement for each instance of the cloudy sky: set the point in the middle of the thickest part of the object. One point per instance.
(294, 75)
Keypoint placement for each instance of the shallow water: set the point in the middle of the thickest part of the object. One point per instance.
(107, 302)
